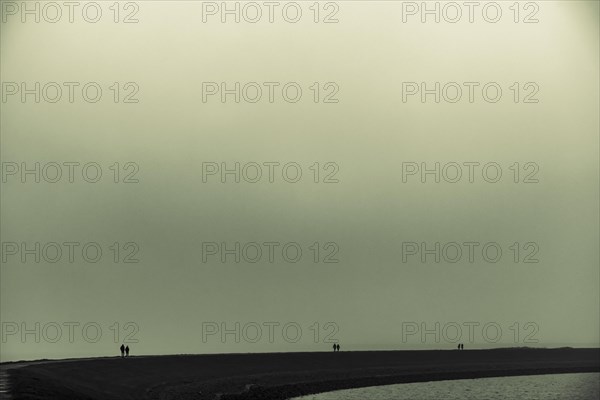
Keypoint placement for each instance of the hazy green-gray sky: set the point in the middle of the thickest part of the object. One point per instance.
(369, 133)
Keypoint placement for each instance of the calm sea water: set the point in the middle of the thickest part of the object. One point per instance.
(546, 387)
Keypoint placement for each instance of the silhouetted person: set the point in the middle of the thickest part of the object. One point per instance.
(338, 347)
(462, 346)
(334, 348)
(122, 350)
(458, 347)
(127, 351)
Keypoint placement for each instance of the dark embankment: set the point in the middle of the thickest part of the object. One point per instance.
(281, 375)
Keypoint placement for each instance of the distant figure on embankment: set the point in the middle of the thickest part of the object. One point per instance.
(338, 347)
(122, 351)
(127, 351)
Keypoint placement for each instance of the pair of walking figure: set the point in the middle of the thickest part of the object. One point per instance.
(336, 347)
(461, 346)
(124, 351)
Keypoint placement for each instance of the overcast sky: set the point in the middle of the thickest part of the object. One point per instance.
(380, 291)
